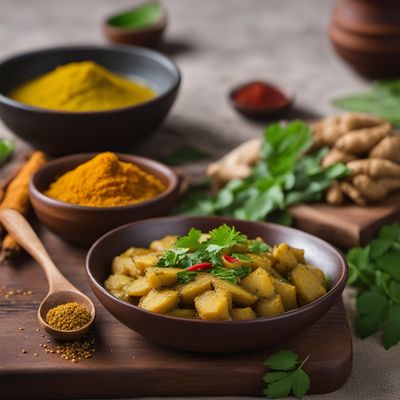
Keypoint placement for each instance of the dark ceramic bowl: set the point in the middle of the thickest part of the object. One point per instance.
(261, 113)
(59, 132)
(148, 37)
(82, 224)
(213, 336)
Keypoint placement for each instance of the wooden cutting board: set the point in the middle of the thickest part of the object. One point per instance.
(348, 225)
(127, 365)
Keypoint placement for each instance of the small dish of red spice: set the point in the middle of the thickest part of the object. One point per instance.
(260, 100)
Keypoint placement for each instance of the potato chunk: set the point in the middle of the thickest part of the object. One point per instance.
(243, 313)
(200, 284)
(213, 304)
(145, 261)
(139, 287)
(317, 273)
(117, 285)
(287, 292)
(307, 285)
(254, 261)
(258, 283)
(285, 258)
(183, 313)
(269, 307)
(239, 295)
(136, 251)
(160, 301)
(166, 243)
(158, 277)
(125, 266)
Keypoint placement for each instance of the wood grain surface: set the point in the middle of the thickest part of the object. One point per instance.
(127, 365)
(348, 225)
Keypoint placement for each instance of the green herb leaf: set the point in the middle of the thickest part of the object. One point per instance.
(186, 276)
(275, 376)
(390, 262)
(257, 246)
(279, 389)
(391, 331)
(232, 275)
(300, 383)
(390, 232)
(191, 241)
(284, 359)
(6, 149)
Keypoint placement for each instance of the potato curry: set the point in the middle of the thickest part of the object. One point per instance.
(219, 275)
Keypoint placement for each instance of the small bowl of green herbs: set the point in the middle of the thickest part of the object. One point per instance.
(142, 25)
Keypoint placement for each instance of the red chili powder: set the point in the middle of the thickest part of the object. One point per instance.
(260, 94)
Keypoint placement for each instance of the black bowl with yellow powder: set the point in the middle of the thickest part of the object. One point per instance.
(82, 196)
(54, 116)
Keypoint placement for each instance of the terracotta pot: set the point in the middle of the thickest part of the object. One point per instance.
(366, 34)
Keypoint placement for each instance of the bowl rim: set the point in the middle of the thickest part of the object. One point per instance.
(159, 25)
(159, 57)
(289, 94)
(337, 288)
(166, 171)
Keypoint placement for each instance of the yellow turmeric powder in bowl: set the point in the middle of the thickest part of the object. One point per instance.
(104, 181)
(82, 87)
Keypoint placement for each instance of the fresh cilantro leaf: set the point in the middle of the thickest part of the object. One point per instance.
(274, 376)
(258, 246)
(390, 262)
(190, 241)
(279, 389)
(391, 331)
(284, 359)
(186, 276)
(232, 275)
(390, 232)
(300, 383)
(6, 149)
(225, 236)
(241, 257)
(173, 258)
(379, 246)
(372, 308)
(394, 290)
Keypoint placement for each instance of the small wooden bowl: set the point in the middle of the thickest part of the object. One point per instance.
(261, 113)
(83, 224)
(146, 37)
(213, 336)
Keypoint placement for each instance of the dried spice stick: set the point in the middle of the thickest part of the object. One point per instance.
(17, 197)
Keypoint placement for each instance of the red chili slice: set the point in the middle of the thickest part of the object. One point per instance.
(205, 265)
(231, 259)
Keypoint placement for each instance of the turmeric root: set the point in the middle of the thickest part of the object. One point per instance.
(388, 148)
(375, 190)
(375, 167)
(334, 194)
(362, 140)
(353, 193)
(350, 121)
(17, 198)
(336, 156)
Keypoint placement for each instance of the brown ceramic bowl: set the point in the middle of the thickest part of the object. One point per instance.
(213, 336)
(82, 224)
(148, 37)
(261, 113)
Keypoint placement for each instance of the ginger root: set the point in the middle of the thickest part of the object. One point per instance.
(375, 190)
(334, 194)
(353, 193)
(336, 156)
(388, 148)
(361, 141)
(375, 168)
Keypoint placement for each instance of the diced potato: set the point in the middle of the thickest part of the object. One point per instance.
(200, 284)
(287, 292)
(307, 285)
(158, 277)
(269, 307)
(285, 258)
(160, 300)
(243, 313)
(145, 261)
(125, 266)
(317, 273)
(239, 295)
(117, 285)
(299, 253)
(255, 261)
(183, 313)
(139, 287)
(213, 305)
(166, 243)
(136, 251)
(258, 283)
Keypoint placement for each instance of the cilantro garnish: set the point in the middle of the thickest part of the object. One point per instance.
(195, 248)
(375, 272)
(287, 375)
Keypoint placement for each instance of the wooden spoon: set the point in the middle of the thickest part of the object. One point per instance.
(61, 291)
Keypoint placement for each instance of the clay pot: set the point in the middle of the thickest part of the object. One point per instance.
(366, 34)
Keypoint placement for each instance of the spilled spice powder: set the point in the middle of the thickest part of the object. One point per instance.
(68, 316)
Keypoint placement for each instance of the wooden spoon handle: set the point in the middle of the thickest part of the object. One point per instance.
(23, 233)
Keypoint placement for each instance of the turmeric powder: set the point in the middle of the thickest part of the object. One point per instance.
(104, 181)
(81, 87)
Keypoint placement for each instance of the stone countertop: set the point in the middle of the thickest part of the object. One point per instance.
(218, 44)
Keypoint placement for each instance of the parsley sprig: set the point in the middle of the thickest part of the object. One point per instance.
(196, 248)
(375, 272)
(287, 375)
